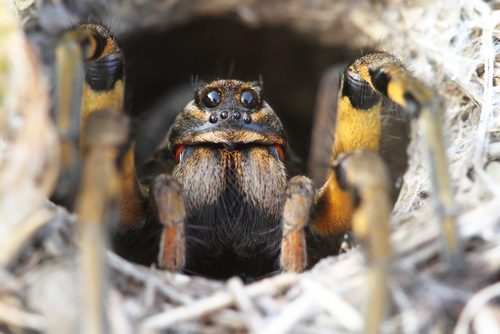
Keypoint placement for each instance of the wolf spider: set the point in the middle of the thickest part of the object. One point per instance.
(228, 207)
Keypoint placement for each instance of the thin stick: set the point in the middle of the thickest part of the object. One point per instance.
(291, 315)
(479, 300)
(146, 276)
(215, 302)
(252, 318)
(13, 316)
(23, 232)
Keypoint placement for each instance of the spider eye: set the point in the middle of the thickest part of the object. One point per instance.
(249, 99)
(212, 98)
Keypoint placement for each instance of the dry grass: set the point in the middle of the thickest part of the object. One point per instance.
(450, 44)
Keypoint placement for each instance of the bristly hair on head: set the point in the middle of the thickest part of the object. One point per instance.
(196, 83)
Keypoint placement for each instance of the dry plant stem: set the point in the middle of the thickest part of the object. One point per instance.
(430, 119)
(253, 321)
(23, 234)
(488, 52)
(30, 168)
(470, 310)
(17, 318)
(145, 276)
(214, 303)
(346, 315)
(291, 315)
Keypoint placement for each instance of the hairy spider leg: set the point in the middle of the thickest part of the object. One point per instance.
(167, 196)
(388, 76)
(365, 176)
(378, 98)
(98, 207)
(90, 118)
(68, 97)
(90, 77)
(296, 214)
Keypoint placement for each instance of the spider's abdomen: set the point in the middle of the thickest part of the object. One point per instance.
(233, 204)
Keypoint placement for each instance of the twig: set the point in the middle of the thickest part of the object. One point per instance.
(346, 315)
(13, 316)
(488, 52)
(215, 302)
(145, 276)
(291, 315)
(244, 303)
(23, 232)
(472, 307)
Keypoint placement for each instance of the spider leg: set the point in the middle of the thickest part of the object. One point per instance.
(98, 208)
(94, 129)
(377, 100)
(296, 214)
(363, 174)
(390, 78)
(90, 77)
(68, 94)
(324, 122)
(169, 202)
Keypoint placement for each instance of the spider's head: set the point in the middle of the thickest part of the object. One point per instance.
(228, 114)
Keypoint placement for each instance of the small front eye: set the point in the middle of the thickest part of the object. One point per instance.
(212, 98)
(249, 99)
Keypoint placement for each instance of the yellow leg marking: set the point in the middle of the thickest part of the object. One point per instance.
(93, 101)
(131, 200)
(332, 210)
(356, 129)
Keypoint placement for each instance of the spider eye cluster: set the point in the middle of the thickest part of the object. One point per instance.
(215, 95)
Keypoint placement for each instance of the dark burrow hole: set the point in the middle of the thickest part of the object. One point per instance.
(161, 64)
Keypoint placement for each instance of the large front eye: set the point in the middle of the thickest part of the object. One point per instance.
(249, 99)
(212, 98)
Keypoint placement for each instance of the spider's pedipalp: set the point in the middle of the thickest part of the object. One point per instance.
(167, 195)
(295, 217)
